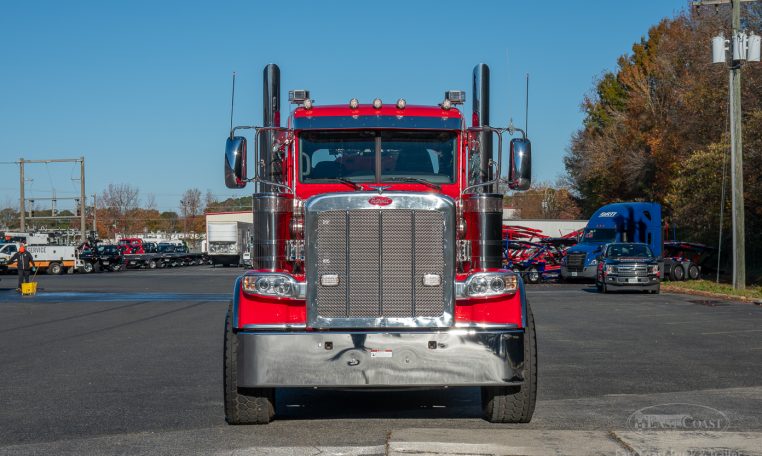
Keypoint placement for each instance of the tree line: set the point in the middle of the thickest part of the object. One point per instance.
(657, 129)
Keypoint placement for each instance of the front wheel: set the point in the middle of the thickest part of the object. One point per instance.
(533, 275)
(243, 405)
(87, 267)
(515, 404)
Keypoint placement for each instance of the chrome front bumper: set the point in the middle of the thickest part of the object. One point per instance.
(391, 359)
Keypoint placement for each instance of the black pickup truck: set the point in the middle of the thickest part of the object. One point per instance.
(628, 266)
(103, 257)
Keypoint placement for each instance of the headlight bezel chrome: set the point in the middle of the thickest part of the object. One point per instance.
(273, 285)
(488, 284)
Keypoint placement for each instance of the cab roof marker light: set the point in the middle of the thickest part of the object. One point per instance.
(354, 103)
(307, 104)
(446, 105)
(401, 103)
(298, 96)
(377, 103)
(455, 97)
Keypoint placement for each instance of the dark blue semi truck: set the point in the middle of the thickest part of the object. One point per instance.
(617, 222)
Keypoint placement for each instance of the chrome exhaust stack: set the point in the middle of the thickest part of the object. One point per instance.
(270, 118)
(480, 118)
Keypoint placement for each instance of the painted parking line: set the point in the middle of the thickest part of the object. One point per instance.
(731, 332)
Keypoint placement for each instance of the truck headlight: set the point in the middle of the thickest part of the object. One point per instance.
(593, 262)
(273, 284)
(653, 269)
(610, 269)
(488, 284)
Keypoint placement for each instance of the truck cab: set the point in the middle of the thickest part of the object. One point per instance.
(376, 254)
(617, 222)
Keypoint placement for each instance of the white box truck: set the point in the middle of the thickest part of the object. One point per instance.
(53, 259)
(228, 242)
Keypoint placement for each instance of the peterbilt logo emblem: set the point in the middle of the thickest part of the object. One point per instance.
(380, 201)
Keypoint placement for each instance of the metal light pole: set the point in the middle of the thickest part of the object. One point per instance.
(740, 50)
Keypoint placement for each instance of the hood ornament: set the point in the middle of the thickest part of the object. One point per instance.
(380, 188)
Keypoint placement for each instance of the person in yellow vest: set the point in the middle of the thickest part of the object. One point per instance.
(25, 264)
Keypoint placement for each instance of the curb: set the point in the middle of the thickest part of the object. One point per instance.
(709, 294)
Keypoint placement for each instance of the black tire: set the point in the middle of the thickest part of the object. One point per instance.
(152, 264)
(55, 268)
(533, 275)
(656, 290)
(678, 273)
(87, 267)
(693, 272)
(243, 405)
(515, 404)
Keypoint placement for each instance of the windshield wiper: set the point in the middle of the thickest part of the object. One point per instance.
(354, 184)
(416, 180)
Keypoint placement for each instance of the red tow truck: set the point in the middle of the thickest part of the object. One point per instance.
(377, 254)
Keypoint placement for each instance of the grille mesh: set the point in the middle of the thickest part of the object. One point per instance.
(380, 257)
(576, 262)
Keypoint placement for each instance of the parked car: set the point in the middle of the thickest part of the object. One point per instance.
(628, 266)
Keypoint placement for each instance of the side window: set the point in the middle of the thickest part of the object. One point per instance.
(11, 249)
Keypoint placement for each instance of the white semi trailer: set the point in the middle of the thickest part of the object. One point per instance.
(228, 242)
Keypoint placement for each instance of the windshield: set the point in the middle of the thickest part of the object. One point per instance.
(628, 251)
(593, 235)
(373, 156)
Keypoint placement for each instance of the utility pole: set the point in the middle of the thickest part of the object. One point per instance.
(95, 216)
(82, 199)
(736, 161)
(22, 206)
(739, 49)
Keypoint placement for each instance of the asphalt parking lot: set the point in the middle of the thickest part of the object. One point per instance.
(130, 362)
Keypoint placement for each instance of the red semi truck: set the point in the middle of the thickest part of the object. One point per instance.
(377, 254)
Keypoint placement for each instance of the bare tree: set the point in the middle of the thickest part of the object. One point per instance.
(150, 201)
(120, 197)
(190, 204)
(115, 203)
(190, 207)
(209, 199)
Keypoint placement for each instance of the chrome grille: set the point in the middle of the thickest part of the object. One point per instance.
(576, 261)
(634, 270)
(380, 256)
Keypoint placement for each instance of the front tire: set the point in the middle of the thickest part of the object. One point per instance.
(515, 404)
(243, 405)
(533, 275)
(87, 267)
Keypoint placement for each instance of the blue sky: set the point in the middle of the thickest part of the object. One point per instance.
(141, 89)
